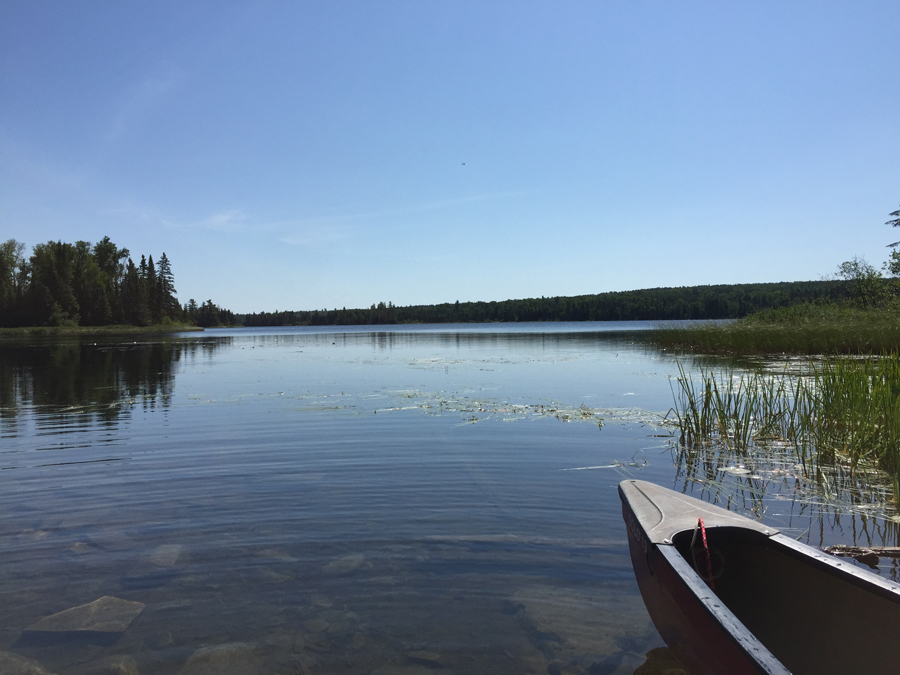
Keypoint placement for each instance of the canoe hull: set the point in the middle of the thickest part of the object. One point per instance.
(695, 626)
(779, 606)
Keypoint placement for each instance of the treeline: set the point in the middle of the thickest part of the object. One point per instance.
(78, 284)
(653, 304)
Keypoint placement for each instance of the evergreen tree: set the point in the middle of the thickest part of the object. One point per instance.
(166, 282)
(154, 299)
(134, 297)
(191, 311)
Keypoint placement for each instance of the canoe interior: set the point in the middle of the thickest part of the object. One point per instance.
(812, 616)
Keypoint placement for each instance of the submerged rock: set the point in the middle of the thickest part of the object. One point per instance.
(32, 535)
(116, 665)
(345, 565)
(104, 615)
(272, 577)
(80, 548)
(158, 567)
(276, 554)
(660, 661)
(13, 664)
(161, 640)
(402, 670)
(170, 555)
(427, 657)
(233, 658)
(573, 624)
(303, 664)
(316, 625)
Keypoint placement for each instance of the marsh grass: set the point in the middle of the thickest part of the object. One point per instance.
(756, 480)
(799, 329)
(842, 411)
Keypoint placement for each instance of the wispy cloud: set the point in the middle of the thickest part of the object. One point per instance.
(312, 236)
(325, 229)
(410, 209)
(139, 99)
(226, 220)
(310, 232)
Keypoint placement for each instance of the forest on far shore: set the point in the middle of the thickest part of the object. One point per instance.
(652, 304)
(81, 284)
(78, 284)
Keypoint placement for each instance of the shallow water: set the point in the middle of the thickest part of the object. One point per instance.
(301, 500)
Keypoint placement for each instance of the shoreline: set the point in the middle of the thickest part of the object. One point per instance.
(41, 331)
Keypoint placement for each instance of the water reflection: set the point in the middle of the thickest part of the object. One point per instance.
(853, 506)
(66, 386)
(386, 340)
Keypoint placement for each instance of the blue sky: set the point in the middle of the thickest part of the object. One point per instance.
(301, 155)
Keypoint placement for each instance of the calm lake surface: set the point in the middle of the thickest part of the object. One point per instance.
(394, 500)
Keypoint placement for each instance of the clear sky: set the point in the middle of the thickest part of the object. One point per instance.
(302, 155)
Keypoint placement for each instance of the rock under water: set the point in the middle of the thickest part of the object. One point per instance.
(102, 620)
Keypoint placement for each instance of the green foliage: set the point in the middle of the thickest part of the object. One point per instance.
(66, 285)
(892, 265)
(12, 281)
(692, 302)
(867, 286)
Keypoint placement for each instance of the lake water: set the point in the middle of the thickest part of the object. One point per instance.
(393, 501)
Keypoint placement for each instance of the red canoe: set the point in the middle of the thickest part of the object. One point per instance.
(761, 602)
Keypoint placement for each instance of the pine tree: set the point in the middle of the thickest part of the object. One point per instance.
(134, 297)
(166, 283)
(154, 299)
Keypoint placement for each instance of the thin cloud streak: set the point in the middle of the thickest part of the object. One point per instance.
(140, 99)
(225, 221)
(406, 210)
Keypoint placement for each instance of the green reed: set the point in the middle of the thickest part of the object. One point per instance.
(799, 329)
(842, 410)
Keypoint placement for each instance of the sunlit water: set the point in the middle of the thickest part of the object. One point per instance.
(392, 502)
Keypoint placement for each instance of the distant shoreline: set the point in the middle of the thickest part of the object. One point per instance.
(28, 331)
(688, 303)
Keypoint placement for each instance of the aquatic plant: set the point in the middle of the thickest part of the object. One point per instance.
(825, 328)
(837, 411)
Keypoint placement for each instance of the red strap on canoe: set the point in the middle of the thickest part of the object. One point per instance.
(700, 526)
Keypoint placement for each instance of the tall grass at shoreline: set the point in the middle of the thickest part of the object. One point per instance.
(839, 411)
(826, 328)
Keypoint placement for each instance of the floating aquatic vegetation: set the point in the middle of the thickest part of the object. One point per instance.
(474, 409)
(635, 463)
(470, 406)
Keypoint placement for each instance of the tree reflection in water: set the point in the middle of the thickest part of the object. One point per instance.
(78, 383)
